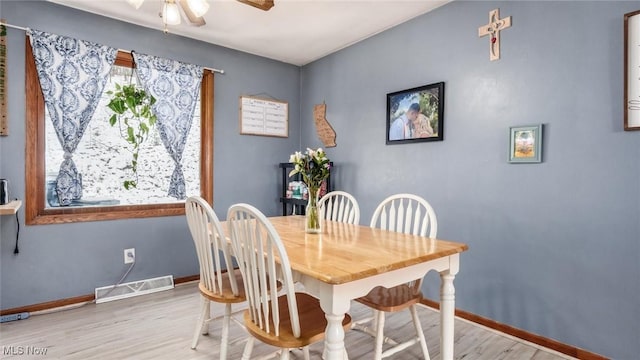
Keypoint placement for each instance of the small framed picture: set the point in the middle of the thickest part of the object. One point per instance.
(416, 115)
(525, 145)
(632, 70)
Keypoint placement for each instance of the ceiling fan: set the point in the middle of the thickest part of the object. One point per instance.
(194, 10)
(170, 13)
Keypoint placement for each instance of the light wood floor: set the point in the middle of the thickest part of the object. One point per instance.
(160, 326)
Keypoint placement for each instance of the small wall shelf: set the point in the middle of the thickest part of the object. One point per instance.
(10, 208)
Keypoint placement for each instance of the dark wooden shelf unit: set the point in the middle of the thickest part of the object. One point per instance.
(290, 205)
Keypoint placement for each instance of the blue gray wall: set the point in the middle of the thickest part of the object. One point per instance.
(554, 248)
(62, 261)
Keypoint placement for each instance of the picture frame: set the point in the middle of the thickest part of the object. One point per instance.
(4, 122)
(264, 117)
(416, 115)
(632, 71)
(525, 144)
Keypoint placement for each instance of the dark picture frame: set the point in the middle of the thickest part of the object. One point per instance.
(525, 144)
(416, 115)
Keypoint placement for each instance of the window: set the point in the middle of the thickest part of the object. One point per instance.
(103, 180)
(103, 158)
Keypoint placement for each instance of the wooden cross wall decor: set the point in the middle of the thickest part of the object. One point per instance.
(493, 28)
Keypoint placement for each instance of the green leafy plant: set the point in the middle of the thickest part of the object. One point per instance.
(132, 112)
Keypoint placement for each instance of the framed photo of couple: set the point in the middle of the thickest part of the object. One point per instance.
(416, 115)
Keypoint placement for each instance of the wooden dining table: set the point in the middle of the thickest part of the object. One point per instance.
(345, 262)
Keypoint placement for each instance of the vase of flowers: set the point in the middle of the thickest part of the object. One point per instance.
(314, 167)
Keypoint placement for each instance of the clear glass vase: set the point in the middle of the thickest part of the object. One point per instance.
(312, 221)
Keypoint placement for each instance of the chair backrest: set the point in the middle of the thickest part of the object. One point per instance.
(409, 214)
(339, 206)
(211, 245)
(263, 260)
(406, 213)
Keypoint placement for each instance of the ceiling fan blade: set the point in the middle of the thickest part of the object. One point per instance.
(193, 19)
(260, 4)
(135, 3)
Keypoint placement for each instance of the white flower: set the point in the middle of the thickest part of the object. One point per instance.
(311, 153)
(295, 157)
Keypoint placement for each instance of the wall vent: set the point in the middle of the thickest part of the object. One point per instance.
(134, 288)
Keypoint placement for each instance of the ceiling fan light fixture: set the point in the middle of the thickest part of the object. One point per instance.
(198, 7)
(170, 13)
(135, 3)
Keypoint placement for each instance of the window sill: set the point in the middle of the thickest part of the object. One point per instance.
(83, 214)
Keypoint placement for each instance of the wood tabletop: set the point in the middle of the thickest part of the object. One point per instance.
(344, 252)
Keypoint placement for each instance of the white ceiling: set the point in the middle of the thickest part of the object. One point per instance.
(293, 31)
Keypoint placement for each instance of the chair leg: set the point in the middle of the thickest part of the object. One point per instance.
(207, 318)
(284, 354)
(224, 342)
(374, 320)
(379, 334)
(248, 348)
(305, 351)
(419, 332)
(202, 320)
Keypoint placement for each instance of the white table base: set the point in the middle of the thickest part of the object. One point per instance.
(335, 300)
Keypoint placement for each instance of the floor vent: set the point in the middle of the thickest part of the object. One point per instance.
(134, 288)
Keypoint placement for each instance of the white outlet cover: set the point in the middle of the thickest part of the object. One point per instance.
(127, 259)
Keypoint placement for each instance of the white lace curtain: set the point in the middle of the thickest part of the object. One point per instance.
(175, 86)
(72, 76)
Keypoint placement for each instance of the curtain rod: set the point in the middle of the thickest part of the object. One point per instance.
(13, 26)
(220, 71)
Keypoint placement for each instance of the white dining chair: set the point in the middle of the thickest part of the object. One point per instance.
(339, 206)
(288, 321)
(219, 282)
(408, 214)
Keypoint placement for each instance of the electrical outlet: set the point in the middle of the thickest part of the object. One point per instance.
(129, 256)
